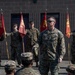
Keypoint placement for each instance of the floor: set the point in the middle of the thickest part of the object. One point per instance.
(62, 70)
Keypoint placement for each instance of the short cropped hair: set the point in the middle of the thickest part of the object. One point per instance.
(31, 22)
(15, 25)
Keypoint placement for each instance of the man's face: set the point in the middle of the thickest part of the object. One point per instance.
(31, 25)
(51, 23)
(15, 28)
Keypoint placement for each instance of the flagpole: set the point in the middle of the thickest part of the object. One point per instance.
(23, 44)
(68, 47)
(5, 35)
(69, 53)
(68, 33)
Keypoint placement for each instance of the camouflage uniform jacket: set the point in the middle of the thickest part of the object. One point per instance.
(16, 39)
(52, 44)
(32, 35)
(26, 71)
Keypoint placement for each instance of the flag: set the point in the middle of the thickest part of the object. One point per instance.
(68, 30)
(22, 30)
(43, 25)
(1, 25)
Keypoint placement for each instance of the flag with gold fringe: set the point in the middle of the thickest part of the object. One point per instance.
(68, 29)
(43, 25)
(22, 30)
(3, 31)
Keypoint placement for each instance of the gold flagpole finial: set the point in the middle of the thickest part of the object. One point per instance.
(1, 11)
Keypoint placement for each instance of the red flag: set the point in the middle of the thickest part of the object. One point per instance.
(1, 25)
(44, 23)
(22, 27)
(68, 29)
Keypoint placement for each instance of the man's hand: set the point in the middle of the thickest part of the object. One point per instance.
(5, 33)
(60, 60)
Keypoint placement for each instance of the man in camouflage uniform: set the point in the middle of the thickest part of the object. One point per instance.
(27, 61)
(31, 40)
(71, 68)
(10, 67)
(73, 48)
(52, 48)
(16, 44)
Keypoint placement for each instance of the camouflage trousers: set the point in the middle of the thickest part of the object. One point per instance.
(16, 54)
(46, 65)
(35, 51)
